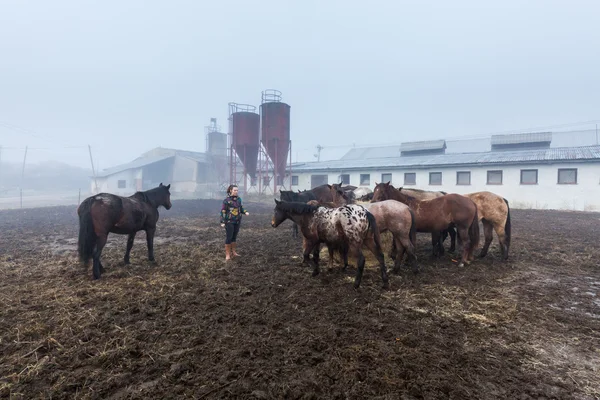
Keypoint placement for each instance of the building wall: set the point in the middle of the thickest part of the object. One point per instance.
(110, 184)
(546, 194)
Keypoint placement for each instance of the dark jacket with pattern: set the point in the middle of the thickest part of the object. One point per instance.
(232, 210)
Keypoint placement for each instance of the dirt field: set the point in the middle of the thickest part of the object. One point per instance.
(261, 327)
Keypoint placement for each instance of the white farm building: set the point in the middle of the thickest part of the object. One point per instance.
(522, 168)
(191, 174)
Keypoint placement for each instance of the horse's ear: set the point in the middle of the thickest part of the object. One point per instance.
(376, 183)
(168, 186)
(277, 201)
(329, 186)
(160, 184)
(388, 183)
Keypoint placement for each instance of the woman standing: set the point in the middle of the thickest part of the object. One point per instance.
(231, 217)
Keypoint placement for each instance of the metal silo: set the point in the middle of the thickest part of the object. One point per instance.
(275, 133)
(244, 125)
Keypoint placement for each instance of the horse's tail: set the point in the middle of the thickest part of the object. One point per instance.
(474, 231)
(375, 230)
(413, 229)
(87, 236)
(507, 227)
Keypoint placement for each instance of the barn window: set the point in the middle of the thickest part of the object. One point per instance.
(463, 177)
(529, 177)
(435, 178)
(494, 177)
(294, 180)
(567, 176)
(386, 178)
(410, 178)
(345, 179)
(365, 179)
(122, 184)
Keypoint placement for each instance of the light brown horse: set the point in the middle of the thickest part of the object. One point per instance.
(438, 214)
(392, 216)
(493, 211)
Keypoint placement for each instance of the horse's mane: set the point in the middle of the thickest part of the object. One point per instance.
(295, 207)
(142, 196)
(147, 196)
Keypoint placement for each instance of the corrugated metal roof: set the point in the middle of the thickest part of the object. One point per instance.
(534, 137)
(564, 154)
(137, 163)
(423, 145)
(372, 152)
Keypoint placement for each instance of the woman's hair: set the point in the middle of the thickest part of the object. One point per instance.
(230, 188)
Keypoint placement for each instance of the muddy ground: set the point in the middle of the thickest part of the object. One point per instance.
(193, 326)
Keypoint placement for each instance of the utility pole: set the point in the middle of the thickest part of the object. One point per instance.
(0, 167)
(318, 155)
(597, 134)
(93, 170)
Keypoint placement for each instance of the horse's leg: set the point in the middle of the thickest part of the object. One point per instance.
(452, 233)
(130, 239)
(502, 239)
(360, 269)
(463, 239)
(316, 257)
(436, 244)
(488, 231)
(100, 243)
(410, 253)
(394, 251)
(400, 254)
(150, 241)
(379, 255)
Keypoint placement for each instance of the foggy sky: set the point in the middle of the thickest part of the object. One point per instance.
(125, 77)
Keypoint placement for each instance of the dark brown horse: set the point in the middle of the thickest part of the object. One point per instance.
(345, 228)
(438, 214)
(106, 213)
(321, 193)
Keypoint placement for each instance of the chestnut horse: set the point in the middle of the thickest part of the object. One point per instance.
(104, 213)
(392, 216)
(345, 228)
(494, 214)
(438, 214)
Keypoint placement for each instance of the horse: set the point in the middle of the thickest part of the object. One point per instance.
(436, 215)
(106, 213)
(494, 214)
(421, 194)
(345, 228)
(392, 216)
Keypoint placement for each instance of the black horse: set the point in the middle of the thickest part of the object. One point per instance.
(104, 213)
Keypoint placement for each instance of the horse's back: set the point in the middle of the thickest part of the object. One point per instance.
(490, 206)
(422, 195)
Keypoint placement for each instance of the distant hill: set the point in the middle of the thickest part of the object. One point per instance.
(49, 176)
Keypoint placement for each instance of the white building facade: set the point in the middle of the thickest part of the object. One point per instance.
(558, 178)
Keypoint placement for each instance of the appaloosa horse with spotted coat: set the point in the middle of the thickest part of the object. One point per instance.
(344, 228)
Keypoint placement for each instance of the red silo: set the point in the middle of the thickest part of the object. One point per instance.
(245, 135)
(275, 131)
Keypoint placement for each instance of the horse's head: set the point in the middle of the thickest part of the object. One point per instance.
(338, 195)
(381, 192)
(163, 197)
(279, 215)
